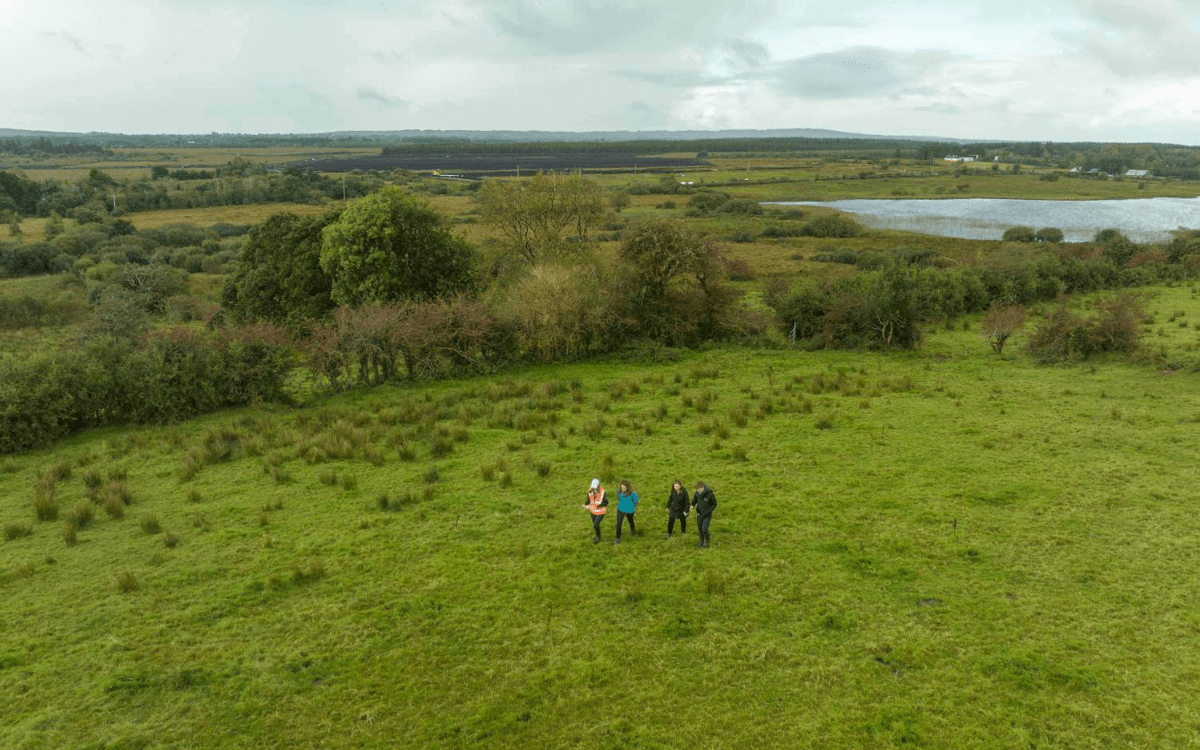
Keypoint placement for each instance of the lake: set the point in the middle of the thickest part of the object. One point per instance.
(1140, 219)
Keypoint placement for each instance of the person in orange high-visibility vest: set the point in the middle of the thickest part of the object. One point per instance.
(597, 505)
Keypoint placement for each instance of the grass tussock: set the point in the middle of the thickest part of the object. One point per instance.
(14, 531)
(114, 508)
(149, 523)
(127, 582)
(45, 505)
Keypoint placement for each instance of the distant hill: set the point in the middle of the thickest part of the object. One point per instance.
(504, 136)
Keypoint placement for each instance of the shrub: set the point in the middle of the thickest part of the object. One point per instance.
(832, 226)
(1000, 322)
(1019, 234)
(707, 200)
(737, 269)
(170, 540)
(778, 230)
(741, 206)
(1052, 235)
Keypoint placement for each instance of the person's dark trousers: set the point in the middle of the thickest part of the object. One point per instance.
(702, 524)
(621, 516)
(682, 524)
(596, 519)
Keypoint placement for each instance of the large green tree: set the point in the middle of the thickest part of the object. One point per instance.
(674, 293)
(536, 214)
(390, 246)
(280, 278)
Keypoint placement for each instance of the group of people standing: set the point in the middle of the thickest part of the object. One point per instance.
(679, 505)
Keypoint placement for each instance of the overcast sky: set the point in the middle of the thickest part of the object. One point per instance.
(1060, 70)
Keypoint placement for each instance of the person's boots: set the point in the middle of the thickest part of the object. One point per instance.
(596, 539)
(707, 538)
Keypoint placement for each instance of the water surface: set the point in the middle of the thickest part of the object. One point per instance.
(1140, 219)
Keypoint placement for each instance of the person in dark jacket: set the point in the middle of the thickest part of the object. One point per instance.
(627, 501)
(677, 509)
(705, 502)
(597, 505)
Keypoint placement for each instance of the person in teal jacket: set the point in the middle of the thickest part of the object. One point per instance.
(627, 501)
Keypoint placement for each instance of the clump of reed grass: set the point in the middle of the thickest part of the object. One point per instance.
(14, 531)
(149, 523)
(92, 482)
(431, 474)
(127, 582)
(59, 470)
(594, 428)
(170, 540)
(116, 489)
(714, 583)
(81, 516)
(302, 575)
(114, 508)
(45, 506)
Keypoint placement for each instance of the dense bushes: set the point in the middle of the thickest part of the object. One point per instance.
(831, 226)
(380, 343)
(1063, 335)
(879, 308)
(170, 377)
(31, 312)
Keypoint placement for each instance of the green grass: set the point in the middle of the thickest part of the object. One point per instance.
(937, 549)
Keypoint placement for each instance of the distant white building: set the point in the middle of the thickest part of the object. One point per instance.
(958, 158)
(1137, 173)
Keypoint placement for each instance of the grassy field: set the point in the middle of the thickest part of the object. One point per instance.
(135, 164)
(33, 229)
(940, 549)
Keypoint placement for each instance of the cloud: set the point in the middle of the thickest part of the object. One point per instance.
(70, 40)
(563, 27)
(1150, 37)
(678, 78)
(939, 108)
(855, 72)
(372, 95)
(387, 57)
(745, 53)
